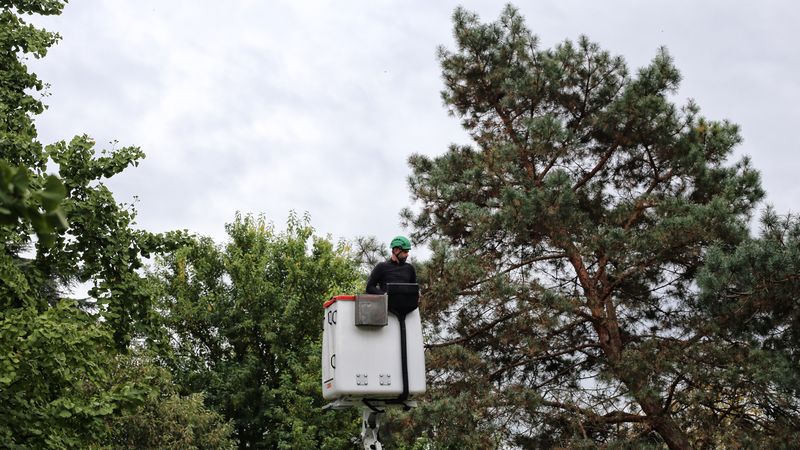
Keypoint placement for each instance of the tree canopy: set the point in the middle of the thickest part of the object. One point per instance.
(59, 357)
(244, 322)
(575, 295)
(593, 281)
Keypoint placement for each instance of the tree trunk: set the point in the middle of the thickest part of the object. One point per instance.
(664, 424)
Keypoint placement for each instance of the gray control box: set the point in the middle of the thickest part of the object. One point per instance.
(372, 310)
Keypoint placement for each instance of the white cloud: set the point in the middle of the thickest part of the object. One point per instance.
(316, 105)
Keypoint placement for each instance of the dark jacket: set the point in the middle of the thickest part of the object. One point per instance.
(390, 272)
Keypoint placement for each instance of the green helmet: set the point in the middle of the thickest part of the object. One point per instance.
(402, 242)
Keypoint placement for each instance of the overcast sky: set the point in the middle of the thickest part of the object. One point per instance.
(315, 106)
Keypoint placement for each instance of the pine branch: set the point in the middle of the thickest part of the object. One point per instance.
(515, 267)
(600, 164)
(671, 391)
(477, 332)
(641, 205)
(509, 126)
(608, 418)
(521, 362)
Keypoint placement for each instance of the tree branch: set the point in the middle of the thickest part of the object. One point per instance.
(591, 416)
(481, 330)
(509, 126)
(515, 267)
(600, 164)
(494, 375)
(671, 391)
(641, 205)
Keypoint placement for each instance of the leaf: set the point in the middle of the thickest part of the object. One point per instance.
(53, 193)
(57, 219)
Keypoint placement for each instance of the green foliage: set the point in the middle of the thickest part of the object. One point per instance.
(172, 422)
(63, 385)
(446, 419)
(163, 419)
(18, 144)
(562, 299)
(244, 322)
(19, 204)
(58, 356)
(101, 246)
(55, 386)
(757, 282)
(750, 298)
(29, 200)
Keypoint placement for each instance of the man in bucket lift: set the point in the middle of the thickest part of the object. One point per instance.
(396, 270)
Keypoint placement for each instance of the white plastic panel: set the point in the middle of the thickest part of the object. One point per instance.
(365, 362)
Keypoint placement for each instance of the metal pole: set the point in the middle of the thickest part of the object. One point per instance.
(370, 425)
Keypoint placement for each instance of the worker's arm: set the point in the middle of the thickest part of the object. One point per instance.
(373, 283)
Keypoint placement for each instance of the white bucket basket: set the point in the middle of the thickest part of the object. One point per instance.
(365, 362)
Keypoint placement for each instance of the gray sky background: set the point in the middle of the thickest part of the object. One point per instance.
(315, 106)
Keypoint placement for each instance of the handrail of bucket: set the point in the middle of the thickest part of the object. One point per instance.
(344, 298)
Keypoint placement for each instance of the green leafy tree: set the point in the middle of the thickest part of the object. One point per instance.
(27, 196)
(57, 355)
(244, 321)
(100, 246)
(55, 386)
(52, 378)
(91, 396)
(164, 419)
(18, 41)
(562, 299)
(22, 207)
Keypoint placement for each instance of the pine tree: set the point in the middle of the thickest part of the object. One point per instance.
(562, 298)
